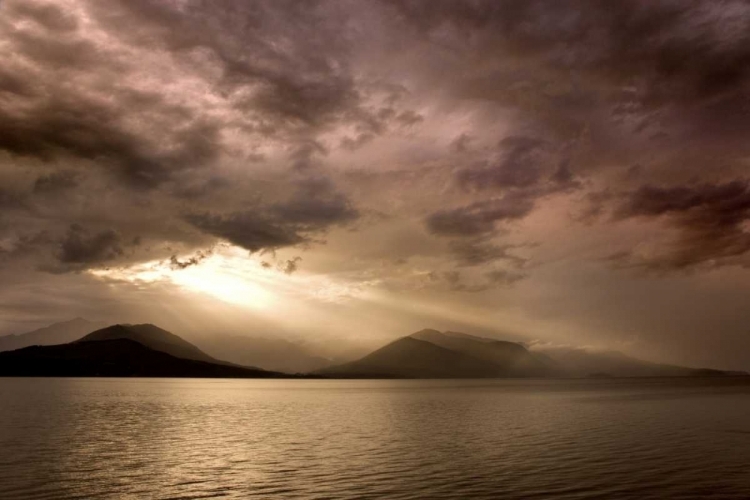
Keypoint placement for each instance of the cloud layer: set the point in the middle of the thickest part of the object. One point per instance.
(424, 146)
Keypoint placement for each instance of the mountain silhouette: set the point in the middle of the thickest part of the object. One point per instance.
(511, 358)
(146, 350)
(117, 357)
(57, 333)
(434, 354)
(152, 337)
(580, 362)
(409, 357)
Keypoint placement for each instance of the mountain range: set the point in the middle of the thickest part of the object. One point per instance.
(70, 349)
(434, 354)
(582, 362)
(123, 351)
(269, 353)
(57, 333)
(152, 337)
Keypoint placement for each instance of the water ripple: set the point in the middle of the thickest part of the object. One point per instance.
(317, 439)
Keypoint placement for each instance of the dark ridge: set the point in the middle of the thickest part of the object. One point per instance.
(57, 333)
(118, 357)
(433, 354)
(412, 358)
(512, 359)
(153, 337)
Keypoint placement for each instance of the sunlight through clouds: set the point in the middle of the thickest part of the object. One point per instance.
(233, 276)
(225, 275)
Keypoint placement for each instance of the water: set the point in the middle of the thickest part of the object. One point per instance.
(170, 438)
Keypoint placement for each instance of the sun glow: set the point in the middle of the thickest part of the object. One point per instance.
(228, 275)
(235, 286)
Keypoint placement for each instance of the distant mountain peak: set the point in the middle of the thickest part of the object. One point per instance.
(424, 331)
(409, 357)
(56, 333)
(72, 321)
(116, 357)
(151, 336)
(430, 353)
(429, 333)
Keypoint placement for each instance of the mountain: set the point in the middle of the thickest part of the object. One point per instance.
(57, 333)
(149, 351)
(152, 337)
(115, 357)
(409, 357)
(276, 354)
(580, 362)
(512, 359)
(433, 354)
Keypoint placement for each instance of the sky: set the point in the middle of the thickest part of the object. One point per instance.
(558, 172)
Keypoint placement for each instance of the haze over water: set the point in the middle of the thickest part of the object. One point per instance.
(190, 438)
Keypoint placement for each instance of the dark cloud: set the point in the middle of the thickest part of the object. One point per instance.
(727, 203)
(176, 264)
(496, 278)
(594, 205)
(461, 143)
(201, 188)
(297, 101)
(479, 251)
(152, 116)
(521, 165)
(78, 127)
(81, 247)
(305, 154)
(136, 131)
(314, 207)
(662, 85)
(29, 244)
(55, 182)
(51, 16)
(479, 218)
(250, 230)
(302, 81)
(354, 143)
(10, 199)
(582, 84)
(408, 118)
(529, 167)
(710, 220)
(289, 266)
(378, 123)
(149, 135)
(501, 277)
(672, 51)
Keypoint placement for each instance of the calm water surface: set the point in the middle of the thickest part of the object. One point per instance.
(169, 438)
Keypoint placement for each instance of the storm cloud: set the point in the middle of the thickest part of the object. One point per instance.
(710, 221)
(81, 247)
(513, 156)
(479, 218)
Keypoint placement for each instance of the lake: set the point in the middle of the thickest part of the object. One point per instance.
(316, 439)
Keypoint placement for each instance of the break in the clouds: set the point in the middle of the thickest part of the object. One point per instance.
(468, 149)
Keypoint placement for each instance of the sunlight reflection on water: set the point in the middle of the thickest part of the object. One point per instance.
(172, 438)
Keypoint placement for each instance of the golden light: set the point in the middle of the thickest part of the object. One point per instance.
(229, 274)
